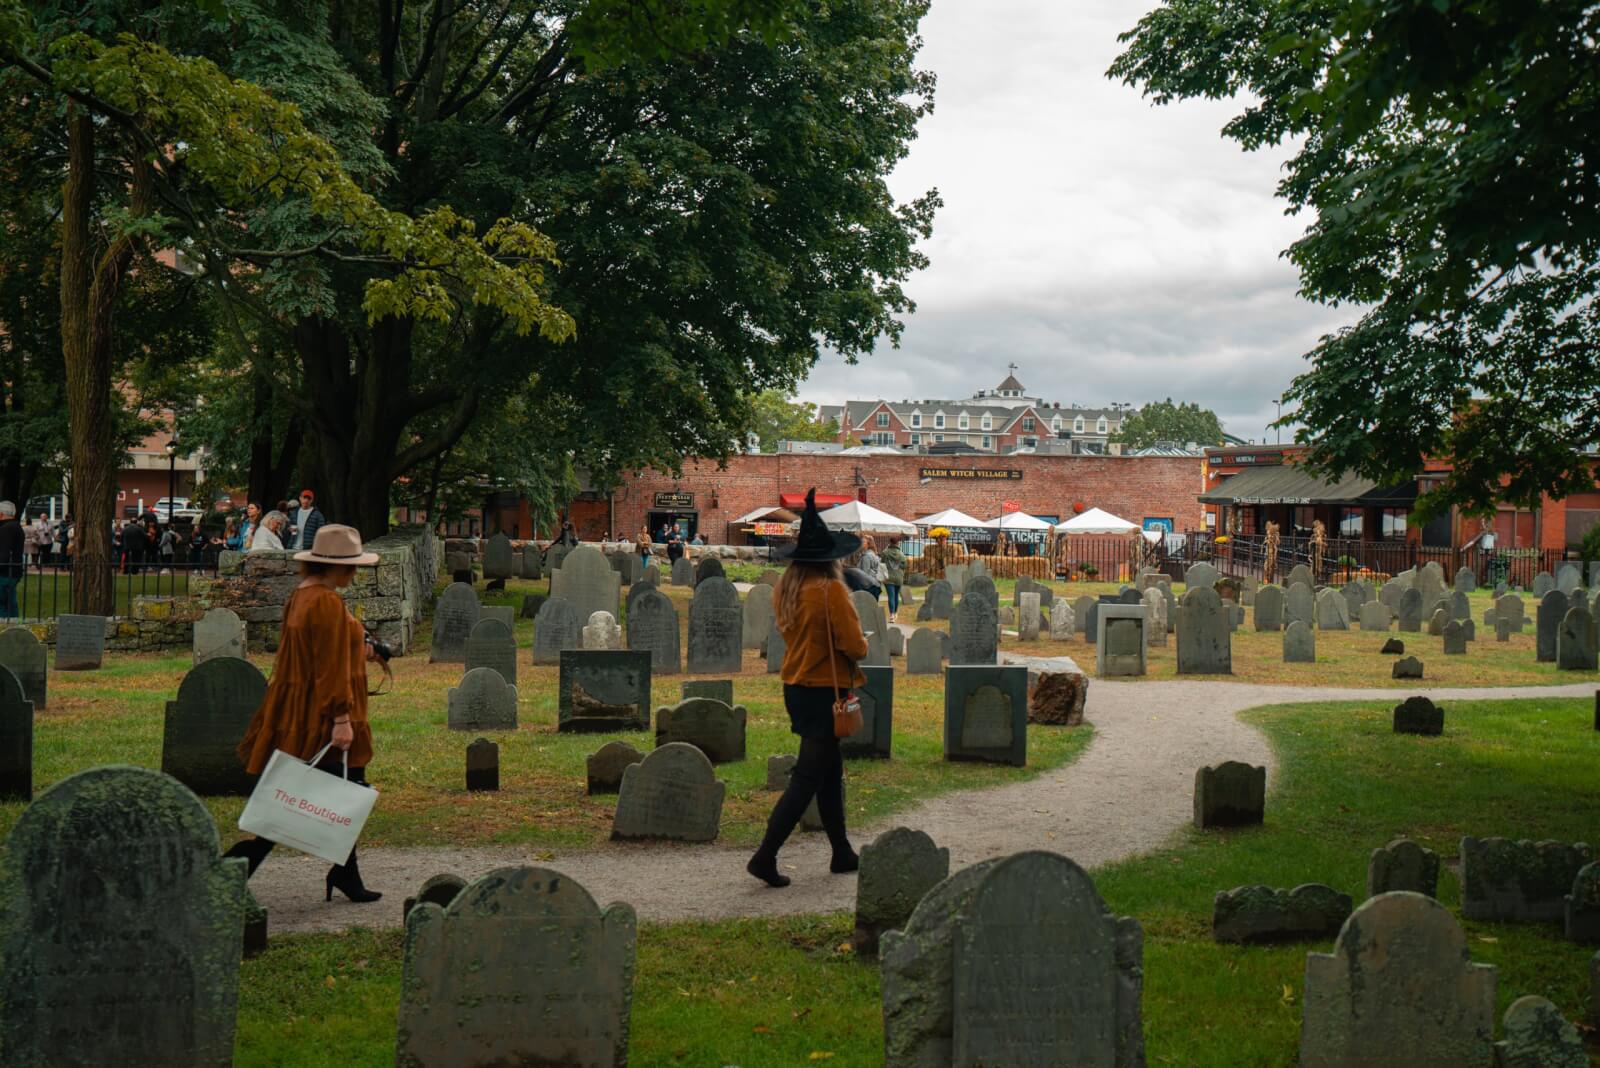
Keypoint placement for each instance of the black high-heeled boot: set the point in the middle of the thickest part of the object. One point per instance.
(346, 878)
(253, 850)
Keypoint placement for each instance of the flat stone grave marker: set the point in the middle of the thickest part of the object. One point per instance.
(1552, 610)
(708, 567)
(204, 725)
(1576, 639)
(1231, 794)
(1269, 608)
(1120, 643)
(1398, 988)
(80, 642)
(602, 633)
(716, 627)
(556, 629)
(681, 573)
(482, 701)
(1403, 865)
(1299, 644)
(716, 689)
(439, 890)
(876, 736)
(1410, 611)
(588, 583)
(776, 648)
(1455, 638)
(1518, 882)
(1582, 911)
(712, 727)
(672, 793)
(974, 631)
(483, 766)
(1253, 915)
(758, 615)
(532, 561)
(499, 560)
(1333, 613)
(604, 691)
(653, 629)
(16, 739)
(898, 868)
(145, 969)
(29, 661)
(455, 613)
(603, 768)
(923, 652)
(1538, 1036)
(986, 714)
(491, 645)
(1418, 715)
(217, 633)
(1205, 639)
(517, 936)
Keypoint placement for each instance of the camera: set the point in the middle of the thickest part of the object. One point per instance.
(380, 649)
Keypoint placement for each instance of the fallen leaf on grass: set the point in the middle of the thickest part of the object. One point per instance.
(328, 982)
(761, 1029)
(846, 947)
(821, 1054)
(1487, 938)
(1288, 994)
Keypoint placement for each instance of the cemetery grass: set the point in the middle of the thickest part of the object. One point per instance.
(778, 991)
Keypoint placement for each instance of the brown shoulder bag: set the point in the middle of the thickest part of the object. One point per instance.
(846, 705)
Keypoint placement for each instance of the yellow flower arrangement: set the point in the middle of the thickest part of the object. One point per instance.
(939, 532)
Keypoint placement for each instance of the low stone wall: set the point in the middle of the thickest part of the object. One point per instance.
(154, 624)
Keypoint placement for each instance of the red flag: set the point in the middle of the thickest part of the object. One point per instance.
(1010, 506)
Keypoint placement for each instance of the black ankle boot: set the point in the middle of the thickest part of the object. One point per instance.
(346, 878)
(765, 868)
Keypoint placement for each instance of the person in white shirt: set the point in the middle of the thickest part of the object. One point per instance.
(266, 538)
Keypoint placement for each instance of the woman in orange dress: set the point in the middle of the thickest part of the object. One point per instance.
(318, 692)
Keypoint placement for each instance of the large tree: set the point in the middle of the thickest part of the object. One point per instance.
(1446, 150)
(1165, 421)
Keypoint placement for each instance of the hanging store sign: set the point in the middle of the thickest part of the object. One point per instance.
(674, 500)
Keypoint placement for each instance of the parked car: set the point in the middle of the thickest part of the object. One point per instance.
(180, 509)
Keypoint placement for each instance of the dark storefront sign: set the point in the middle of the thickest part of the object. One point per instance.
(981, 473)
(675, 500)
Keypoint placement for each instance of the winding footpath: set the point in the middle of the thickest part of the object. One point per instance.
(1125, 795)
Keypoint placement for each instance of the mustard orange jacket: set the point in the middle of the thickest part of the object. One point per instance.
(807, 650)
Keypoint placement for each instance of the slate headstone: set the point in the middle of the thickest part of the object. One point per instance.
(482, 701)
(1120, 643)
(712, 727)
(1543, 584)
(217, 633)
(1518, 882)
(1252, 915)
(1299, 644)
(16, 739)
(204, 725)
(938, 601)
(1576, 640)
(556, 556)
(1269, 608)
(1333, 613)
(1375, 615)
(604, 691)
(898, 868)
(716, 689)
(589, 583)
(455, 613)
(716, 627)
(1199, 575)
(1547, 622)
(499, 559)
(491, 646)
(1231, 794)
(1410, 611)
(1455, 638)
(923, 653)
(1355, 596)
(876, 736)
(653, 629)
(1510, 608)
(603, 768)
(1205, 645)
(986, 714)
(1568, 577)
(1299, 602)
(673, 793)
(1418, 715)
(439, 890)
(1081, 608)
(80, 642)
(708, 567)
(1403, 865)
(758, 615)
(556, 628)
(1407, 667)
(1393, 647)
(974, 631)
(483, 766)
(532, 561)
(776, 648)
(682, 572)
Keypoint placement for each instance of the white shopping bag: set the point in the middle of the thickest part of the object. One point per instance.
(298, 805)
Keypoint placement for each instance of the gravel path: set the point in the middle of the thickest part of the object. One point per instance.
(1125, 795)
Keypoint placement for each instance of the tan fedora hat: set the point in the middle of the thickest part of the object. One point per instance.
(337, 544)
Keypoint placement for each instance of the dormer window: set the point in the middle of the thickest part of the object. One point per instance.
(1100, 428)
(961, 422)
(1077, 425)
(938, 422)
(916, 419)
(988, 423)
(1055, 423)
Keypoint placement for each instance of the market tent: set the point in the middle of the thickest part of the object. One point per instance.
(769, 514)
(1016, 521)
(1096, 521)
(950, 517)
(860, 516)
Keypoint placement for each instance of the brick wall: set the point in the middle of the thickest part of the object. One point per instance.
(1134, 488)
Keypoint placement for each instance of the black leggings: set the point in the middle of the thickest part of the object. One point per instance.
(818, 772)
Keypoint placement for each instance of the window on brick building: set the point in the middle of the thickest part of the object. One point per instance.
(1350, 522)
(1055, 424)
(883, 418)
(1027, 423)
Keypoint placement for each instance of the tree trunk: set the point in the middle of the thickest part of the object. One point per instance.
(269, 476)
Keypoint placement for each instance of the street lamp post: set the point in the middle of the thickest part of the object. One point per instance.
(172, 476)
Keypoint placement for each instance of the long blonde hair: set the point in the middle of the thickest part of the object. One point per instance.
(798, 575)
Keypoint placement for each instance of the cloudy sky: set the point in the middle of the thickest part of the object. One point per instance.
(1115, 251)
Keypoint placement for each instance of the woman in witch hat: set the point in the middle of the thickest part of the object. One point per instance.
(823, 642)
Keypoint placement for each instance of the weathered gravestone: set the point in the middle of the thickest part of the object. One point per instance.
(1407, 667)
(1300, 573)
(1269, 608)
(1250, 915)
(123, 928)
(1430, 580)
(716, 627)
(712, 727)
(636, 591)
(1510, 608)
(1057, 692)
(483, 766)
(492, 646)
(80, 642)
(1120, 644)
(1581, 915)
(455, 613)
(982, 587)
(870, 617)
(218, 633)
(1393, 647)
(1418, 715)
(1375, 615)
(1205, 639)
(1436, 622)
(876, 736)
(482, 701)
(651, 576)
(1569, 577)
(923, 653)
(653, 629)
(936, 604)
(1552, 610)
(1018, 962)
(1063, 622)
(1028, 619)
(986, 714)
(588, 582)
(499, 559)
(897, 640)
(716, 689)
(524, 937)
(205, 724)
(672, 793)
(1299, 644)
(1455, 638)
(1538, 1036)
(682, 572)
(439, 890)
(603, 768)
(556, 629)
(1155, 616)
(1199, 575)
(531, 603)
(708, 567)
(1231, 794)
(1410, 611)
(974, 631)
(602, 633)
(556, 556)
(898, 868)
(776, 649)
(1518, 882)
(604, 691)
(1460, 606)
(758, 615)
(1081, 609)
(1398, 989)
(1333, 613)
(1543, 584)
(29, 661)
(532, 561)
(16, 739)
(1466, 580)
(1403, 865)
(1299, 602)
(1575, 640)
(504, 613)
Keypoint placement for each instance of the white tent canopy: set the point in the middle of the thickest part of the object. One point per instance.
(950, 517)
(1096, 521)
(859, 516)
(1017, 521)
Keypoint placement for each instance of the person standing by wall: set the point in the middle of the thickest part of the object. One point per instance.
(894, 574)
(11, 561)
(304, 522)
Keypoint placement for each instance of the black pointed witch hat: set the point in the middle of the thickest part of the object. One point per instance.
(816, 544)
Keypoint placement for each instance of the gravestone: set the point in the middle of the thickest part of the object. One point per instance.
(1062, 622)
(1518, 882)
(1375, 615)
(1018, 962)
(1502, 629)
(603, 768)
(1355, 596)
(898, 868)
(604, 691)
(438, 890)
(770, 577)
(986, 713)
(897, 640)
(1205, 640)
(777, 648)
(1393, 647)
(16, 739)
(1299, 602)
(712, 727)
(532, 562)
(1199, 575)
(625, 564)
(461, 565)
(758, 615)
(556, 556)
(525, 937)
(1552, 610)
(1332, 611)
(1397, 989)
(218, 633)
(1269, 608)
(1418, 715)
(1028, 619)
(1300, 573)
(1120, 644)
(974, 632)
(1410, 611)
(672, 793)
(1403, 865)
(1390, 594)
(682, 572)
(1231, 794)
(716, 627)
(1466, 580)
(483, 766)
(1581, 914)
(29, 661)
(956, 575)
(716, 689)
(636, 591)
(1455, 638)
(923, 652)
(1575, 640)
(876, 736)
(1081, 608)
(709, 567)
(1254, 915)
(653, 629)
(491, 646)
(455, 613)
(1543, 584)
(204, 725)
(1538, 1036)
(1568, 577)
(1430, 580)
(1510, 608)
(556, 628)
(982, 586)
(123, 928)
(937, 602)
(1299, 644)
(1407, 667)
(1056, 695)
(602, 633)
(870, 617)
(651, 576)
(531, 603)
(499, 560)
(1436, 622)
(80, 642)
(482, 701)
(1155, 615)
(588, 582)
(1460, 607)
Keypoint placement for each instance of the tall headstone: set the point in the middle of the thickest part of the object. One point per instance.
(708, 567)
(682, 572)
(123, 929)
(653, 629)
(986, 714)
(1299, 602)
(29, 661)
(937, 601)
(1466, 580)
(897, 869)
(1205, 639)
(716, 729)
(556, 628)
(1028, 617)
(217, 633)
(673, 793)
(1410, 611)
(491, 645)
(1333, 613)
(604, 691)
(589, 583)
(1299, 644)
(1430, 580)
(455, 613)
(602, 633)
(956, 575)
(1543, 584)
(1081, 609)
(1199, 575)
(1231, 794)
(758, 615)
(1269, 608)
(876, 736)
(532, 561)
(923, 652)
(482, 701)
(16, 739)
(526, 937)
(974, 631)
(1576, 640)
(499, 559)
(1547, 622)
(80, 642)
(716, 627)
(205, 724)
(1063, 624)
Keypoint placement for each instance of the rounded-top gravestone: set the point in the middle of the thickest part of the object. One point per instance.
(205, 724)
(28, 660)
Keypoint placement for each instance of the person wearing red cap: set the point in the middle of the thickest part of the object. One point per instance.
(304, 522)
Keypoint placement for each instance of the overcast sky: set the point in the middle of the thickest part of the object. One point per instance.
(1115, 251)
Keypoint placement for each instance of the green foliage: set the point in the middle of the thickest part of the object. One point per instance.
(777, 416)
(1589, 549)
(1445, 151)
(1165, 421)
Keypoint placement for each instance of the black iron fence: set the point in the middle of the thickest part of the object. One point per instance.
(44, 588)
(1344, 559)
